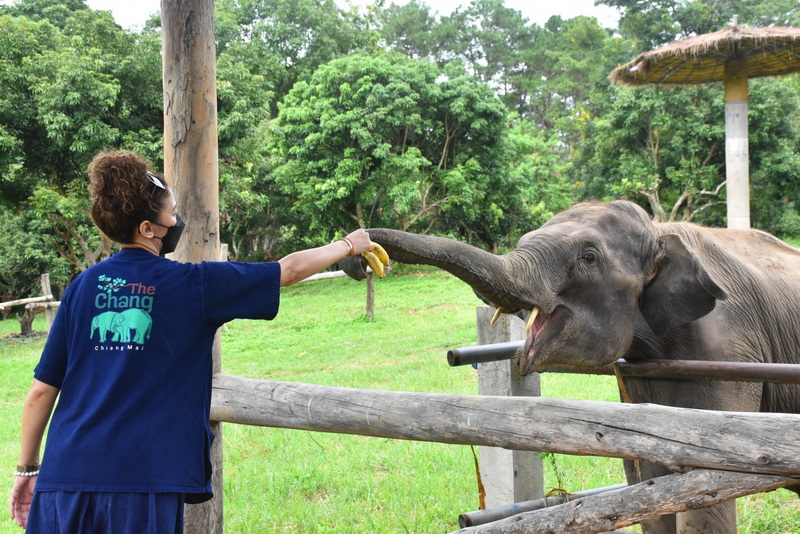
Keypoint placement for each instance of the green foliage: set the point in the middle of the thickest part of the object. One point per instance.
(657, 22)
(283, 41)
(409, 29)
(789, 223)
(541, 172)
(774, 143)
(385, 141)
(664, 147)
(75, 83)
(26, 248)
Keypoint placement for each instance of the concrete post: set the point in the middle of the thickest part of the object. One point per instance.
(737, 152)
(507, 476)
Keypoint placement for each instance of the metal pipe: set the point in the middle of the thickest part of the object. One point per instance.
(483, 353)
(481, 517)
(780, 373)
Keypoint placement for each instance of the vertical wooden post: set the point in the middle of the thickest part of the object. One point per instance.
(370, 308)
(507, 476)
(49, 312)
(191, 166)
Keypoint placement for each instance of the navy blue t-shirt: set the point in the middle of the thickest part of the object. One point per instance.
(130, 350)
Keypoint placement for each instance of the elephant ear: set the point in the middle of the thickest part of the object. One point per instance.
(682, 290)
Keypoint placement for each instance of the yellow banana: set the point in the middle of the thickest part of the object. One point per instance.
(374, 263)
(381, 253)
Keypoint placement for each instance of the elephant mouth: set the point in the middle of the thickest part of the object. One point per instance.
(538, 322)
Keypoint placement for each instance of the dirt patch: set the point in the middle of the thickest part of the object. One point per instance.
(21, 338)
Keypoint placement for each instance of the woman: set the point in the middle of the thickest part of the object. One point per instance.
(129, 354)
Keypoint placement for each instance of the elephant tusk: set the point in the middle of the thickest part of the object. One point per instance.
(496, 315)
(532, 318)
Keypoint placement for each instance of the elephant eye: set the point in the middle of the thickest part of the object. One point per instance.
(589, 256)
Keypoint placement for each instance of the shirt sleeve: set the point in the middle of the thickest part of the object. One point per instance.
(52, 365)
(233, 290)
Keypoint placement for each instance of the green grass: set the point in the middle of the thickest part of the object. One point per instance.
(794, 241)
(295, 481)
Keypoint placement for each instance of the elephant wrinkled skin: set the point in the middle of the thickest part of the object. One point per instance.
(607, 283)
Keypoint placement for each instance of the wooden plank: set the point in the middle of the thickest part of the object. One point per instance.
(20, 302)
(676, 437)
(641, 502)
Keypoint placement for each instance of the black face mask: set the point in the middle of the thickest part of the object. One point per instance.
(171, 238)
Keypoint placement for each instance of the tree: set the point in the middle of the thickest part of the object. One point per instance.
(285, 40)
(488, 36)
(76, 83)
(409, 29)
(25, 254)
(655, 23)
(666, 146)
(263, 48)
(382, 141)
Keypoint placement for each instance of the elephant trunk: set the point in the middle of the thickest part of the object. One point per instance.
(489, 275)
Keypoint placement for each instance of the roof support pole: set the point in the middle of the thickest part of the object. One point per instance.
(736, 146)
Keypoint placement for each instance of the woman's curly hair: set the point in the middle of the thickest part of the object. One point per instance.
(122, 194)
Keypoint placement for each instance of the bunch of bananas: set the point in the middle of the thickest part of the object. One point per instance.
(377, 258)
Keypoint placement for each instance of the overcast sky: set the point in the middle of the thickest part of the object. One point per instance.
(133, 13)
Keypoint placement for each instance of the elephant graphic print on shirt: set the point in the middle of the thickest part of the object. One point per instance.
(133, 319)
(129, 321)
(122, 324)
(103, 324)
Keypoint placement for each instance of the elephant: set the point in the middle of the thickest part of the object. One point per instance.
(104, 323)
(132, 319)
(602, 281)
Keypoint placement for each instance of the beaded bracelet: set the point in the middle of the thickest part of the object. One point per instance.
(27, 470)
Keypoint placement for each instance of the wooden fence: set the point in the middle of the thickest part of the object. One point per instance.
(729, 454)
(36, 304)
(717, 456)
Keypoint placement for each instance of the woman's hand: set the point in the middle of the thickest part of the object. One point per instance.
(360, 240)
(21, 496)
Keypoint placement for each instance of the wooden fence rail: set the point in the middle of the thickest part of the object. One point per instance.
(641, 502)
(678, 438)
(20, 302)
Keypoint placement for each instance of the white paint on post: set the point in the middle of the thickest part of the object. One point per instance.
(737, 164)
(508, 476)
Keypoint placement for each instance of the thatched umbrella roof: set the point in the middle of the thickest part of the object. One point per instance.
(700, 59)
(732, 55)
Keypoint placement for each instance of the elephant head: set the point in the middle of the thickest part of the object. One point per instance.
(583, 277)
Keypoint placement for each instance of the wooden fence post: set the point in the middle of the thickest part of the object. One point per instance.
(191, 166)
(370, 307)
(49, 313)
(507, 476)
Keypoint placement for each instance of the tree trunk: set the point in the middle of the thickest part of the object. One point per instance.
(191, 166)
(26, 321)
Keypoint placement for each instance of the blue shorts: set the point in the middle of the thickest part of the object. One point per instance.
(66, 512)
